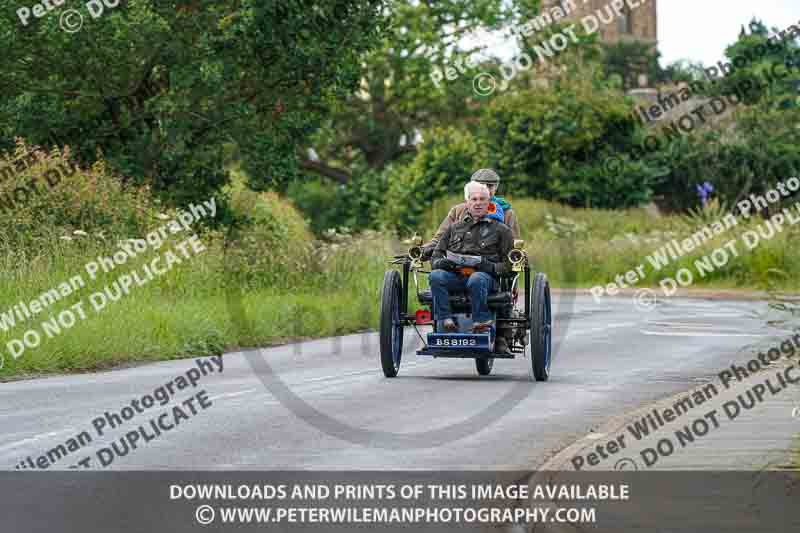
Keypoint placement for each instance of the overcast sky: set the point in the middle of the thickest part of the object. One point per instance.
(701, 29)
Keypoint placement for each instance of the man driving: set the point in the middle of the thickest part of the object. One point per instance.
(486, 239)
(489, 178)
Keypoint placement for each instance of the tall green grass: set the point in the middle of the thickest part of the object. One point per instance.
(188, 312)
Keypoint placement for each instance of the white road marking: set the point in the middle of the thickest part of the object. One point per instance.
(700, 334)
(35, 438)
(356, 373)
(232, 394)
(681, 324)
(604, 328)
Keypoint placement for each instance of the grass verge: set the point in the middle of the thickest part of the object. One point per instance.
(186, 312)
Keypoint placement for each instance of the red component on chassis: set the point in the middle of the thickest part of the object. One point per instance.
(423, 317)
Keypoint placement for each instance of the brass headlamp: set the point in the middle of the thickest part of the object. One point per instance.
(518, 256)
(415, 252)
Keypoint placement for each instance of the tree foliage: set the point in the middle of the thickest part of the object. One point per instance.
(754, 149)
(760, 56)
(760, 151)
(377, 125)
(159, 87)
(551, 143)
(444, 164)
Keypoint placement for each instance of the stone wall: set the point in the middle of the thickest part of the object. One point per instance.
(639, 24)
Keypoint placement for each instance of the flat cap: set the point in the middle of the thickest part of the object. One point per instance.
(486, 175)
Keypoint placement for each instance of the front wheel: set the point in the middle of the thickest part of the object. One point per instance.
(484, 366)
(391, 327)
(541, 326)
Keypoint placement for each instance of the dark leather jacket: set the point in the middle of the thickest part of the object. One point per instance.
(458, 212)
(487, 237)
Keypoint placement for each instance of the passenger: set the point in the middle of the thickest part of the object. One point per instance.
(504, 212)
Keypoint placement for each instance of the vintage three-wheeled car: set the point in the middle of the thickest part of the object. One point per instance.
(525, 322)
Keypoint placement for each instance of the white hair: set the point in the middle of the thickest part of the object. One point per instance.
(474, 185)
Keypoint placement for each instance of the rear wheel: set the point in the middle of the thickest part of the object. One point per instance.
(484, 365)
(391, 327)
(541, 326)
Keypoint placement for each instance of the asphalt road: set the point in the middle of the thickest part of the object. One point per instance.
(326, 404)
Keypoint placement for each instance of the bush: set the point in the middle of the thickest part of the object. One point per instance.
(69, 199)
(551, 143)
(756, 152)
(443, 165)
(270, 244)
(356, 205)
(364, 198)
(317, 199)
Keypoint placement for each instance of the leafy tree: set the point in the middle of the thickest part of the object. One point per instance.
(749, 152)
(398, 96)
(159, 87)
(760, 55)
(683, 70)
(581, 58)
(446, 160)
(759, 151)
(551, 143)
(327, 204)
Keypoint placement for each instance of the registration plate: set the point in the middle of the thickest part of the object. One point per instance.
(456, 340)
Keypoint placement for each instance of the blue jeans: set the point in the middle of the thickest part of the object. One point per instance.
(479, 285)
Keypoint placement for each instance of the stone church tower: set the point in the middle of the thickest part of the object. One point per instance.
(638, 24)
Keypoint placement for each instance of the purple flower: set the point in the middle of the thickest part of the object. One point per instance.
(704, 191)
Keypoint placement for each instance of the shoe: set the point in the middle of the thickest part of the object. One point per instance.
(449, 325)
(482, 327)
(500, 345)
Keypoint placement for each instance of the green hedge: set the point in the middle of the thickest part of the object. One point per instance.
(444, 164)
